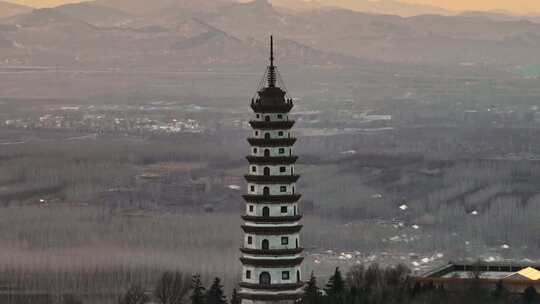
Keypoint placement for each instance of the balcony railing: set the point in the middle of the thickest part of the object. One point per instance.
(272, 252)
(272, 179)
(272, 230)
(259, 107)
(272, 263)
(272, 125)
(271, 142)
(272, 219)
(269, 160)
(281, 287)
(288, 198)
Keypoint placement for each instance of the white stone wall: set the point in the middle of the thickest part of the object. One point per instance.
(275, 274)
(273, 116)
(274, 151)
(275, 209)
(275, 189)
(274, 241)
(274, 134)
(274, 170)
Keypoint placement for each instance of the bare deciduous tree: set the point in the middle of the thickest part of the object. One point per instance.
(135, 295)
(172, 287)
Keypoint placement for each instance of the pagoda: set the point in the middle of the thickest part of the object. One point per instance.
(271, 252)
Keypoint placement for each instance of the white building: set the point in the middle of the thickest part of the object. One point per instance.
(271, 251)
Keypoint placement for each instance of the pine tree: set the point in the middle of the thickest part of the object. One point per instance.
(530, 295)
(499, 293)
(311, 291)
(336, 284)
(215, 294)
(235, 299)
(197, 290)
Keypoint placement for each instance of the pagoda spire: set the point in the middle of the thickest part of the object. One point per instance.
(271, 68)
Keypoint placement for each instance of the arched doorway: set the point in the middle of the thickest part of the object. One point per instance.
(266, 212)
(267, 136)
(267, 118)
(266, 191)
(266, 171)
(267, 153)
(298, 276)
(296, 243)
(265, 245)
(264, 278)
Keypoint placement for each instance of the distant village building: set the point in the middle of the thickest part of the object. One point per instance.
(512, 276)
(271, 252)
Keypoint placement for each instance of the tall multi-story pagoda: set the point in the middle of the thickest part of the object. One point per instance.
(271, 252)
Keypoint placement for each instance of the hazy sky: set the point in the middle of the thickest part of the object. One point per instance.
(522, 6)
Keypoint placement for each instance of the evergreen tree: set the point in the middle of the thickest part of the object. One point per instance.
(500, 293)
(311, 291)
(530, 295)
(336, 284)
(235, 299)
(335, 288)
(197, 290)
(215, 294)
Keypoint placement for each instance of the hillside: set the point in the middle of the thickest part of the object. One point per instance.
(101, 32)
(96, 14)
(144, 7)
(391, 7)
(423, 39)
(8, 9)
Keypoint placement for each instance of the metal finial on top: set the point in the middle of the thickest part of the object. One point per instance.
(271, 50)
(272, 68)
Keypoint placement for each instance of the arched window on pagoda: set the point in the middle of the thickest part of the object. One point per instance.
(266, 171)
(266, 191)
(266, 212)
(264, 278)
(265, 245)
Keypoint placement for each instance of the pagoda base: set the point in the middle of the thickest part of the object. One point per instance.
(248, 301)
(264, 298)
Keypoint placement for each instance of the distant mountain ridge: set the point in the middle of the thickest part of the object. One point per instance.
(234, 34)
(145, 7)
(389, 7)
(96, 14)
(501, 16)
(8, 9)
(44, 17)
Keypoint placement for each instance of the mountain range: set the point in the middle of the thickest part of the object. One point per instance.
(390, 7)
(225, 33)
(8, 9)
